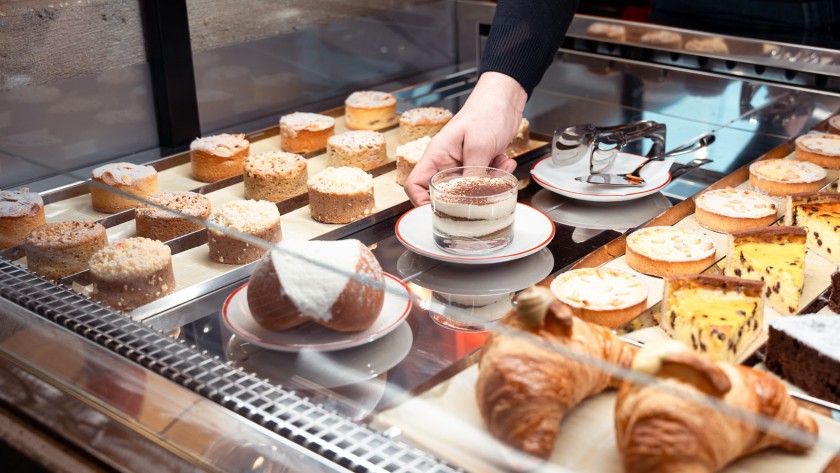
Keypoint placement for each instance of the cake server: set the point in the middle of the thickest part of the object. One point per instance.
(634, 177)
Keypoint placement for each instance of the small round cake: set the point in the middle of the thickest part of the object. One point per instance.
(607, 31)
(781, 177)
(132, 273)
(424, 121)
(408, 155)
(336, 284)
(56, 250)
(158, 224)
(20, 213)
(304, 132)
(669, 251)
(257, 218)
(834, 124)
(370, 110)
(604, 296)
(662, 38)
(274, 176)
(362, 149)
(341, 195)
(822, 149)
(218, 157)
(134, 179)
(730, 210)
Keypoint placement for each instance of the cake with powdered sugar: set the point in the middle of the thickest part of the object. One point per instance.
(159, 224)
(20, 212)
(408, 155)
(255, 218)
(804, 351)
(133, 179)
(302, 132)
(336, 284)
(362, 149)
(370, 110)
(218, 157)
(423, 121)
(341, 195)
(819, 148)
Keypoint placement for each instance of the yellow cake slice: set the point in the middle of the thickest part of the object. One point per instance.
(775, 255)
(716, 315)
(819, 213)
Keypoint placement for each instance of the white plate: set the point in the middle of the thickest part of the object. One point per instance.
(561, 179)
(532, 231)
(311, 336)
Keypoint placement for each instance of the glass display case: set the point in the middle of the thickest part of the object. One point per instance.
(325, 330)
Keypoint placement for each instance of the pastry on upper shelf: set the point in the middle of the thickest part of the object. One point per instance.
(729, 210)
(662, 38)
(302, 132)
(782, 177)
(819, 213)
(158, 224)
(408, 155)
(834, 124)
(362, 149)
(132, 273)
(341, 195)
(336, 284)
(218, 157)
(20, 213)
(607, 31)
(669, 427)
(775, 255)
(819, 148)
(423, 121)
(525, 389)
(136, 180)
(255, 218)
(604, 296)
(274, 176)
(716, 315)
(834, 292)
(370, 110)
(669, 251)
(804, 351)
(56, 250)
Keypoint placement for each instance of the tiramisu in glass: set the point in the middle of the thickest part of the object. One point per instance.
(473, 209)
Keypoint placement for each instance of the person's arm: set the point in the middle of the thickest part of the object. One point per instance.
(523, 39)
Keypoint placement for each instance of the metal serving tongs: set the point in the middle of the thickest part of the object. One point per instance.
(602, 144)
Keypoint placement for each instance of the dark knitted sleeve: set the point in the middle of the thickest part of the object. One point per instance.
(524, 36)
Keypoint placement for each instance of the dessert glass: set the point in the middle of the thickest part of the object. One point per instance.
(473, 209)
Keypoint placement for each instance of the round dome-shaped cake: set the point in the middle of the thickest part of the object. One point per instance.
(336, 284)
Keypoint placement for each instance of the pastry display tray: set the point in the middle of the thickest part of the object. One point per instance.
(195, 273)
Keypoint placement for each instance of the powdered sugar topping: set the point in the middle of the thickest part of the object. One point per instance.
(819, 332)
(738, 203)
(357, 141)
(370, 99)
(822, 143)
(412, 151)
(223, 145)
(788, 170)
(275, 162)
(125, 174)
(298, 121)
(425, 116)
(19, 203)
(247, 216)
(341, 180)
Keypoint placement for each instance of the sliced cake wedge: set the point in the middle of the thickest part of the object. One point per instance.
(819, 213)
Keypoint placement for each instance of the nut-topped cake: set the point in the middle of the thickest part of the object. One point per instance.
(56, 250)
(20, 212)
(370, 110)
(218, 157)
(781, 177)
(819, 148)
(341, 195)
(274, 176)
(302, 132)
(131, 273)
(730, 210)
(136, 180)
(362, 149)
(668, 251)
(158, 224)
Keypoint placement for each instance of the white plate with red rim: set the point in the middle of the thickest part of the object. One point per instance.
(311, 336)
(561, 179)
(532, 231)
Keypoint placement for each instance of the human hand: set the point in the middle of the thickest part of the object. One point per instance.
(476, 136)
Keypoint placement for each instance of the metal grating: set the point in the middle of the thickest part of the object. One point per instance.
(355, 447)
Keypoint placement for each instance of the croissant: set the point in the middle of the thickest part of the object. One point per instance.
(524, 390)
(659, 431)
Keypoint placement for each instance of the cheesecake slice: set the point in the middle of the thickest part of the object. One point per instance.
(819, 213)
(775, 255)
(716, 315)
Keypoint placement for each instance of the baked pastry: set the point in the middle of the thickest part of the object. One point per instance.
(786, 176)
(256, 218)
(834, 292)
(56, 250)
(408, 155)
(659, 430)
(729, 210)
(524, 389)
(713, 45)
(341, 195)
(834, 124)
(274, 176)
(136, 180)
(669, 251)
(336, 284)
(716, 315)
(662, 38)
(819, 212)
(370, 110)
(131, 273)
(218, 157)
(363, 149)
(424, 121)
(804, 351)
(820, 148)
(158, 224)
(775, 255)
(523, 133)
(604, 296)
(607, 31)
(20, 213)
(304, 132)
